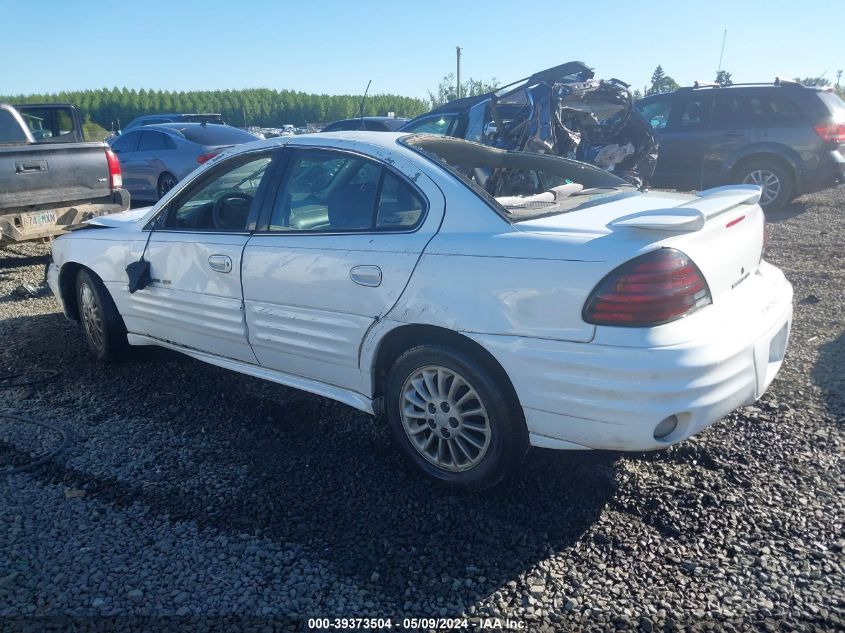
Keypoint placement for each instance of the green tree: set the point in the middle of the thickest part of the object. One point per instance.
(723, 78)
(661, 82)
(447, 90)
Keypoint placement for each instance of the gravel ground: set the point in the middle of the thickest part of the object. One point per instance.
(188, 496)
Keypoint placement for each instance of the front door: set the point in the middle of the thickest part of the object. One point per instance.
(333, 255)
(195, 253)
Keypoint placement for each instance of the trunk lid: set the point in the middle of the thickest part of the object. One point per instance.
(720, 230)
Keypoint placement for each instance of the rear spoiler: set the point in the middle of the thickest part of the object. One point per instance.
(693, 215)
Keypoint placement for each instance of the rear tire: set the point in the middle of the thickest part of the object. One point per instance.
(166, 182)
(773, 178)
(452, 416)
(102, 325)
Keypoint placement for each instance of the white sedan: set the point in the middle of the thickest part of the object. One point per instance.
(485, 301)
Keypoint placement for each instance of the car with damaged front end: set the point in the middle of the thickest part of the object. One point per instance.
(563, 111)
(484, 301)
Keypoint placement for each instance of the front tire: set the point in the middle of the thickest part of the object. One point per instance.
(453, 418)
(774, 180)
(102, 325)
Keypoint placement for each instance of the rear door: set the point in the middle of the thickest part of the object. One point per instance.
(195, 252)
(333, 255)
(729, 134)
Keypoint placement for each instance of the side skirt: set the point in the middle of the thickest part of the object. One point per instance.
(351, 398)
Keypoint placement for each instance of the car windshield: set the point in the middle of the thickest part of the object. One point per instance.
(213, 134)
(521, 185)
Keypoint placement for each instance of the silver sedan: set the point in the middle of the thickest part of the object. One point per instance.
(155, 157)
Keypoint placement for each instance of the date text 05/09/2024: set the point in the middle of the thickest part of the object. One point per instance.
(415, 624)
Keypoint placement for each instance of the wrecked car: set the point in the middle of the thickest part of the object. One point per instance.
(562, 111)
(570, 312)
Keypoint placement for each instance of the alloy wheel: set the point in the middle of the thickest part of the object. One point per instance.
(92, 317)
(768, 181)
(165, 184)
(444, 418)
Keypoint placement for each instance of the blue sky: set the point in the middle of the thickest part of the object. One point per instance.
(404, 47)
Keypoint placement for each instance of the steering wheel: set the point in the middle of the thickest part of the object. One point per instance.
(219, 217)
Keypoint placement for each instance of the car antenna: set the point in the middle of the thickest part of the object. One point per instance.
(361, 109)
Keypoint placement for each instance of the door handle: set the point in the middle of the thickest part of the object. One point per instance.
(366, 276)
(30, 167)
(220, 263)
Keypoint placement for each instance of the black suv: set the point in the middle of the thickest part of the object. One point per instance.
(787, 138)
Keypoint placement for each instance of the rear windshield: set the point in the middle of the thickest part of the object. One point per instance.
(835, 105)
(212, 134)
(520, 185)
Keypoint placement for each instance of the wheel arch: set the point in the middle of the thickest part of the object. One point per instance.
(67, 288)
(402, 338)
(792, 164)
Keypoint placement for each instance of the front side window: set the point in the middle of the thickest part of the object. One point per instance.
(657, 113)
(327, 191)
(223, 200)
(440, 124)
(694, 114)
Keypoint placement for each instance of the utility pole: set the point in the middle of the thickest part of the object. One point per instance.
(838, 77)
(458, 88)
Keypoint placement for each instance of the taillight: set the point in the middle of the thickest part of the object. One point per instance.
(115, 177)
(651, 289)
(204, 158)
(832, 132)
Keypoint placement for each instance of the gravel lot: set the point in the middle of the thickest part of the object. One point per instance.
(190, 496)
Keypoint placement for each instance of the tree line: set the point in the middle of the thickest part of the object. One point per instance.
(115, 107)
(661, 82)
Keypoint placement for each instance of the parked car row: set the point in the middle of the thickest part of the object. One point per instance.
(155, 157)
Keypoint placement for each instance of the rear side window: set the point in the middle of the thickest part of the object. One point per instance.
(10, 129)
(151, 141)
(332, 192)
(772, 110)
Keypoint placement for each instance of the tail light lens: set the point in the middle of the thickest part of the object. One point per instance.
(652, 289)
(832, 132)
(115, 176)
(204, 158)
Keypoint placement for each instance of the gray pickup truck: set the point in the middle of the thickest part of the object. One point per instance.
(50, 177)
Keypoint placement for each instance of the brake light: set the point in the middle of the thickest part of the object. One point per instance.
(652, 289)
(204, 158)
(832, 132)
(115, 176)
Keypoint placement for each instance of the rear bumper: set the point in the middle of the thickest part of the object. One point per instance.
(27, 225)
(586, 395)
(831, 174)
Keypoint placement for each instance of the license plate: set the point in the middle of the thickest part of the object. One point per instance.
(777, 348)
(38, 220)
